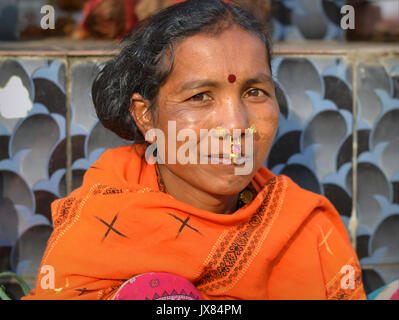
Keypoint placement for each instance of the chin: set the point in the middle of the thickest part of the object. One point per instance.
(224, 184)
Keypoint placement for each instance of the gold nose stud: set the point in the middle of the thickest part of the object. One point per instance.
(252, 129)
(220, 132)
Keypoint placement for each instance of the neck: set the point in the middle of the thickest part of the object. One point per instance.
(183, 191)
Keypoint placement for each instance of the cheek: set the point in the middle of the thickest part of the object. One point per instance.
(268, 121)
(274, 117)
(184, 118)
(174, 119)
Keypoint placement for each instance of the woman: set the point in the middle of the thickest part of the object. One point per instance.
(202, 68)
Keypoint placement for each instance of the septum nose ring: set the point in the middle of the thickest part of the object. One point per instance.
(235, 151)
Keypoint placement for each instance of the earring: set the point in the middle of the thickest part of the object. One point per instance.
(252, 129)
(152, 141)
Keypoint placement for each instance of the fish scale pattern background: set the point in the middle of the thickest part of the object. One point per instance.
(313, 146)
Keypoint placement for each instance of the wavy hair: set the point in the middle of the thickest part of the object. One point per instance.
(146, 61)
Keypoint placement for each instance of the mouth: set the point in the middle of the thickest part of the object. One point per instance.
(224, 159)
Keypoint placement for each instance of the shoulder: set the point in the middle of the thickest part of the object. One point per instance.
(317, 212)
(322, 229)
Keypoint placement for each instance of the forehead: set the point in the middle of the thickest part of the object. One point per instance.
(234, 51)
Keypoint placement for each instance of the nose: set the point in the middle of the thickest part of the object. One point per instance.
(233, 115)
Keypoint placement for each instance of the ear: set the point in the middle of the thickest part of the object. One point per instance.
(139, 109)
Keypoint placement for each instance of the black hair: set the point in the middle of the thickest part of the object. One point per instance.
(140, 66)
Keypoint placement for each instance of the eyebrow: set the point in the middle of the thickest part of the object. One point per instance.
(196, 84)
(261, 77)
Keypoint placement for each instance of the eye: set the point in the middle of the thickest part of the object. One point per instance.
(255, 93)
(201, 97)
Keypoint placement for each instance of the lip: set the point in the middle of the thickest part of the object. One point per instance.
(225, 160)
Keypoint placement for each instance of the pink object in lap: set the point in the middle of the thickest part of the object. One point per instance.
(157, 286)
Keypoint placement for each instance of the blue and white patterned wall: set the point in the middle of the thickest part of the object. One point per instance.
(307, 20)
(315, 141)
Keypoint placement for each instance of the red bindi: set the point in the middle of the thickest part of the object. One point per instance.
(232, 78)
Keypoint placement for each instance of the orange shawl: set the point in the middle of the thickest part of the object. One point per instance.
(287, 243)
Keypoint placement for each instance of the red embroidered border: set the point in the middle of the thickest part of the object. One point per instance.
(237, 246)
(335, 290)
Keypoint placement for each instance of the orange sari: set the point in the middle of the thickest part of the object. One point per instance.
(288, 243)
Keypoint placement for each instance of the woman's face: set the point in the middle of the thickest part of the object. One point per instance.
(199, 94)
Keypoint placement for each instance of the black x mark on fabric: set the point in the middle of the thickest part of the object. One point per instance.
(83, 291)
(184, 224)
(110, 227)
